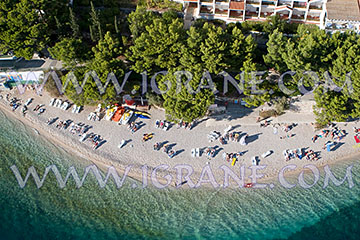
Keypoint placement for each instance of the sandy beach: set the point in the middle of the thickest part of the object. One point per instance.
(138, 153)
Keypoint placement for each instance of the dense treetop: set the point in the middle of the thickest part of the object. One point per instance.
(98, 36)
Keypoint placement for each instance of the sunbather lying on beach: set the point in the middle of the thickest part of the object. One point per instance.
(147, 136)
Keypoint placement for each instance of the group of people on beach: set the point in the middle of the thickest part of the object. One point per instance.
(335, 134)
(186, 125)
(210, 152)
(233, 137)
(298, 154)
(133, 127)
(147, 136)
(39, 108)
(166, 149)
(162, 124)
(232, 157)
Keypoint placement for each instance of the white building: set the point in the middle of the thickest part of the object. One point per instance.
(343, 15)
(327, 14)
(299, 11)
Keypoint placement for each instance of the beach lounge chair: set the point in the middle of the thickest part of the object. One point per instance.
(58, 103)
(122, 143)
(98, 109)
(28, 102)
(357, 140)
(83, 137)
(197, 152)
(166, 126)
(226, 130)
(78, 109)
(234, 160)
(329, 145)
(286, 155)
(266, 154)
(193, 153)
(64, 106)
(243, 141)
(52, 101)
(254, 161)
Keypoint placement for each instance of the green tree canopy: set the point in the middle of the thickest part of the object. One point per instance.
(184, 104)
(276, 47)
(26, 25)
(106, 60)
(214, 49)
(70, 51)
(139, 19)
(159, 47)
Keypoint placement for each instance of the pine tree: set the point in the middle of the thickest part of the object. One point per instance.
(70, 51)
(116, 25)
(159, 47)
(73, 24)
(185, 105)
(139, 19)
(240, 49)
(214, 49)
(276, 47)
(95, 21)
(191, 54)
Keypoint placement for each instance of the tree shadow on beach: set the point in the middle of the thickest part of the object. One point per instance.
(178, 152)
(243, 152)
(233, 112)
(140, 125)
(87, 128)
(253, 138)
(170, 146)
(126, 142)
(235, 127)
(53, 121)
(163, 143)
(100, 144)
(338, 145)
(217, 151)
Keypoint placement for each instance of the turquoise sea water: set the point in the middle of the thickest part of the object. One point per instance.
(127, 213)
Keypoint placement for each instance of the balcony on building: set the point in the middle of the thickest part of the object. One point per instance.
(237, 5)
(315, 7)
(221, 12)
(297, 17)
(238, 14)
(284, 2)
(283, 16)
(265, 14)
(191, 1)
(205, 10)
(268, 3)
(221, 1)
(313, 18)
(207, 1)
(253, 2)
(300, 5)
(250, 14)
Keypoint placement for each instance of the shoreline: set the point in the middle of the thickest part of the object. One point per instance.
(103, 160)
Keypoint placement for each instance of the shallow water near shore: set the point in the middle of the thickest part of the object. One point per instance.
(133, 213)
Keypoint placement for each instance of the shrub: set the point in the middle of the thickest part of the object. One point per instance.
(268, 113)
(281, 104)
(154, 99)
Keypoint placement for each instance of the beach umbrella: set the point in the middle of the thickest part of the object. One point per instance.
(275, 130)
(227, 129)
(329, 145)
(243, 140)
